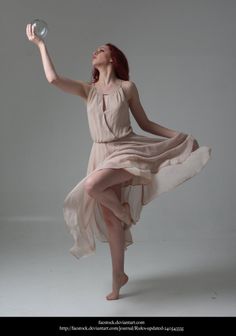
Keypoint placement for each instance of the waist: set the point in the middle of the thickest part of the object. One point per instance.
(98, 141)
(115, 139)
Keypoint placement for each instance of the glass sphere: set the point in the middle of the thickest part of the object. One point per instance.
(41, 27)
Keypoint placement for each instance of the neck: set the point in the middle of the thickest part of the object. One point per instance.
(106, 76)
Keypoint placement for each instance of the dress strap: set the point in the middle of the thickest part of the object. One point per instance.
(92, 88)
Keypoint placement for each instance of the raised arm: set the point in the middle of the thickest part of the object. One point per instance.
(79, 88)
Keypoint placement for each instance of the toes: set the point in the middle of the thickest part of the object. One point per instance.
(112, 296)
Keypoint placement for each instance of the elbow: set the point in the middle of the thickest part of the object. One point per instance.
(52, 80)
(146, 126)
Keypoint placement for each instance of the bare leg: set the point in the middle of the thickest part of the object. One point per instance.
(117, 246)
(98, 185)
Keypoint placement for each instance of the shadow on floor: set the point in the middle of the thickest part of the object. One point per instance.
(195, 283)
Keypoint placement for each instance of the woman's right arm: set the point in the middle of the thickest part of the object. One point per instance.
(65, 84)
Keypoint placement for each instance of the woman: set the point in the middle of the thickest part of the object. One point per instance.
(125, 170)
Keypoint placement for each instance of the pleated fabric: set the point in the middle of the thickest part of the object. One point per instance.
(157, 165)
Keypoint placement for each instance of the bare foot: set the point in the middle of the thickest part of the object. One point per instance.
(118, 282)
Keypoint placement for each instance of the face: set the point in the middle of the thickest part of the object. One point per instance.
(101, 55)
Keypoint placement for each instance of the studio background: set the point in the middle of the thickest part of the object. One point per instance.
(182, 59)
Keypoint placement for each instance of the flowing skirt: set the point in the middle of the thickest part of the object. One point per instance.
(157, 165)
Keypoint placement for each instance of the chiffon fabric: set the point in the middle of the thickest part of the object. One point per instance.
(157, 165)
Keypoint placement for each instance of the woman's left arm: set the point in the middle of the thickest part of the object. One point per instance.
(141, 117)
(157, 129)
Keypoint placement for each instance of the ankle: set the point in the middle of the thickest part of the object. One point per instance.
(118, 273)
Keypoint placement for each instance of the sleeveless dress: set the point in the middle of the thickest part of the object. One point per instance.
(157, 165)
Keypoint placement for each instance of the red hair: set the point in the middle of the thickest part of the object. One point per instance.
(120, 64)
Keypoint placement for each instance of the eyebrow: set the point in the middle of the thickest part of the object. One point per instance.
(101, 48)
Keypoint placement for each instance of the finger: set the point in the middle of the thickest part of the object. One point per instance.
(28, 31)
(34, 33)
(31, 29)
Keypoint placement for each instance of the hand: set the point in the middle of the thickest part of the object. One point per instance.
(32, 36)
(195, 145)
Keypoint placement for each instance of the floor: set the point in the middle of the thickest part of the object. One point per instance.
(166, 278)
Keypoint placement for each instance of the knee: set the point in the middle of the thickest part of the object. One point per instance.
(90, 187)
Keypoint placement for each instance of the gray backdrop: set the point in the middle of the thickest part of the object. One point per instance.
(181, 55)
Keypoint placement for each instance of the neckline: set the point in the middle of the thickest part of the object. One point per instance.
(116, 88)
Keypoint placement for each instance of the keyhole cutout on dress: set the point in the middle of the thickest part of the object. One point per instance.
(104, 102)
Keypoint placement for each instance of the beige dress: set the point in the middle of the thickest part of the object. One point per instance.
(157, 165)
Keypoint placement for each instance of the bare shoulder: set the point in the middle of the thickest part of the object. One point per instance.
(130, 89)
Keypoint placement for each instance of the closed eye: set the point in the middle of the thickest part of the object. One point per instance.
(98, 51)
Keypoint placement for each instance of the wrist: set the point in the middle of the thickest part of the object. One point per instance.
(41, 44)
(175, 134)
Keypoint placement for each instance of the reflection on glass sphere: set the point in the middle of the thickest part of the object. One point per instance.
(41, 28)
